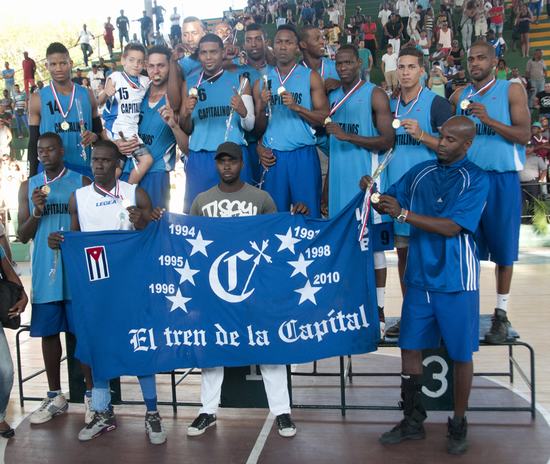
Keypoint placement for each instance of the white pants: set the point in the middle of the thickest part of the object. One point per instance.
(275, 383)
(396, 44)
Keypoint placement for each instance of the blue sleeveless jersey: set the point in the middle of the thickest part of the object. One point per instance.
(327, 69)
(212, 111)
(51, 119)
(157, 136)
(286, 130)
(349, 162)
(409, 151)
(56, 217)
(491, 151)
(189, 66)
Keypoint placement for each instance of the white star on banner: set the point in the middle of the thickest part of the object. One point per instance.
(308, 293)
(199, 244)
(178, 301)
(287, 241)
(186, 273)
(300, 266)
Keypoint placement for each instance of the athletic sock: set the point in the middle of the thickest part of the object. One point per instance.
(381, 296)
(149, 390)
(502, 301)
(88, 393)
(53, 393)
(151, 404)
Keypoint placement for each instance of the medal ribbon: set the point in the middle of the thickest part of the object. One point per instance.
(410, 108)
(58, 103)
(281, 80)
(46, 181)
(346, 96)
(131, 83)
(115, 195)
(208, 79)
(486, 86)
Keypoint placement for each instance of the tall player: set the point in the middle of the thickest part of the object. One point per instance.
(213, 112)
(158, 129)
(193, 31)
(296, 102)
(359, 127)
(501, 114)
(111, 204)
(44, 208)
(418, 113)
(56, 109)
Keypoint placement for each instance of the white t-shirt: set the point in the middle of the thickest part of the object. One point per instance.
(175, 19)
(390, 62)
(85, 37)
(334, 16)
(403, 7)
(384, 16)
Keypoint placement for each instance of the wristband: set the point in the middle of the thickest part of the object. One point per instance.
(34, 215)
(421, 135)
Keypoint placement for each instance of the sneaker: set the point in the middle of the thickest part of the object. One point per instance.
(405, 430)
(88, 411)
(456, 436)
(101, 423)
(50, 407)
(200, 424)
(286, 427)
(498, 333)
(382, 319)
(393, 331)
(154, 429)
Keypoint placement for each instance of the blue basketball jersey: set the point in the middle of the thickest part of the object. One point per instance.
(56, 217)
(157, 136)
(189, 65)
(212, 111)
(349, 162)
(491, 151)
(286, 130)
(253, 75)
(51, 120)
(327, 69)
(408, 151)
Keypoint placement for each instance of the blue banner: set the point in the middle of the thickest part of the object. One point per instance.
(204, 292)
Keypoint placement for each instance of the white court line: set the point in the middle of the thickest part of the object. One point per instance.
(260, 441)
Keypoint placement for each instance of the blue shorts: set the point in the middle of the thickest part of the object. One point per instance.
(295, 177)
(497, 236)
(382, 236)
(51, 318)
(427, 317)
(201, 174)
(157, 186)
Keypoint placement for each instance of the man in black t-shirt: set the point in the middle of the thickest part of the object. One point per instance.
(123, 24)
(543, 101)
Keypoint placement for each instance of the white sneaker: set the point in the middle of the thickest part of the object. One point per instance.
(88, 412)
(154, 429)
(49, 408)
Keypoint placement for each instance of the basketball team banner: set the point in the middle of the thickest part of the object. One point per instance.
(203, 292)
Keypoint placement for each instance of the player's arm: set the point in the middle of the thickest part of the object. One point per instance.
(29, 220)
(261, 97)
(169, 117)
(140, 214)
(107, 92)
(319, 100)
(175, 83)
(382, 118)
(34, 132)
(186, 111)
(243, 105)
(440, 111)
(56, 238)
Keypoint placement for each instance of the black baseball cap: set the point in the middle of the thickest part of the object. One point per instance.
(229, 149)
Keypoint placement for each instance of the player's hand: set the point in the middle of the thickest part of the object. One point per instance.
(288, 100)
(388, 205)
(167, 114)
(365, 182)
(178, 53)
(479, 111)
(300, 208)
(412, 128)
(267, 159)
(88, 138)
(38, 199)
(55, 239)
(265, 96)
(237, 104)
(333, 128)
(332, 84)
(135, 214)
(109, 89)
(127, 146)
(157, 213)
(19, 306)
(189, 104)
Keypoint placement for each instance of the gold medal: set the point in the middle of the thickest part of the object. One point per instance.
(328, 120)
(396, 123)
(281, 90)
(193, 92)
(464, 104)
(46, 189)
(375, 197)
(65, 126)
(239, 26)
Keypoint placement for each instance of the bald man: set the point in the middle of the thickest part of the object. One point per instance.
(442, 200)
